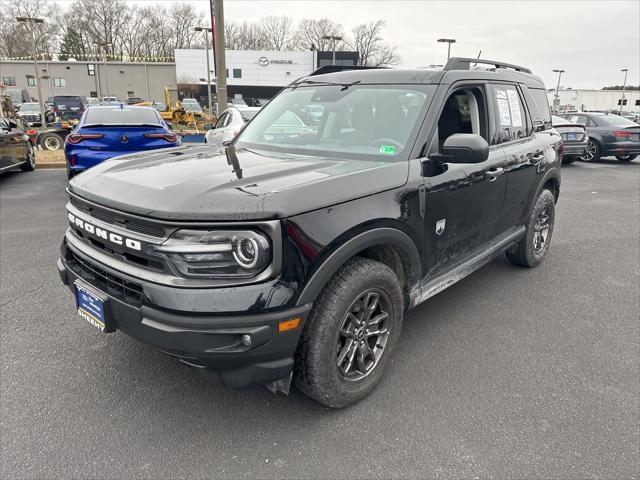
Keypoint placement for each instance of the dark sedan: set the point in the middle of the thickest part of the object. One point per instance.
(574, 138)
(608, 135)
(15, 148)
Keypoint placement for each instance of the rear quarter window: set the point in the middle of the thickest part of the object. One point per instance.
(540, 111)
(119, 115)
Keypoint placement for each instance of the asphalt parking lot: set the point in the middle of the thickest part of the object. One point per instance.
(511, 373)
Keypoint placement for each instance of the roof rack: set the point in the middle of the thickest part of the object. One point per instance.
(339, 68)
(458, 63)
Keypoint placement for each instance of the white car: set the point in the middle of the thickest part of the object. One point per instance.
(229, 124)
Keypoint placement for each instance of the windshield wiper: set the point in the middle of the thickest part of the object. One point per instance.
(315, 82)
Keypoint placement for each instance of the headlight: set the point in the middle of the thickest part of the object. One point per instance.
(217, 253)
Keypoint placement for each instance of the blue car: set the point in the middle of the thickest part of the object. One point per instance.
(108, 131)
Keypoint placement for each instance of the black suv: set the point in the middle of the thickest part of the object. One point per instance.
(295, 252)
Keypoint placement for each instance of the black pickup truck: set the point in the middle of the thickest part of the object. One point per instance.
(294, 253)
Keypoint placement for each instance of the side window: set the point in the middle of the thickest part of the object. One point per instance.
(579, 119)
(540, 113)
(464, 111)
(590, 122)
(509, 113)
(221, 121)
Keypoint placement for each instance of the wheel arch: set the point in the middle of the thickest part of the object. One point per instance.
(386, 244)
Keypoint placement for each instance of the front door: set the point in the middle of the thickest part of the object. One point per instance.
(463, 204)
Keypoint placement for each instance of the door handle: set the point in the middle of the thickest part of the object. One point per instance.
(494, 173)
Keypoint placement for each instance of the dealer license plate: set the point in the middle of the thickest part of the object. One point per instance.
(91, 307)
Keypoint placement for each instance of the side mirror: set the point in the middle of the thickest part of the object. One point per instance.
(208, 126)
(539, 126)
(12, 124)
(463, 148)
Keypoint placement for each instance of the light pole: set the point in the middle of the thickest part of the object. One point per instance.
(557, 99)
(206, 31)
(448, 41)
(32, 21)
(625, 70)
(219, 55)
(334, 39)
(105, 45)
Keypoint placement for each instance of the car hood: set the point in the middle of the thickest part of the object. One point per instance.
(202, 183)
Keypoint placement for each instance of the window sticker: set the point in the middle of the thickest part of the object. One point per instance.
(501, 94)
(503, 110)
(387, 149)
(514, 106)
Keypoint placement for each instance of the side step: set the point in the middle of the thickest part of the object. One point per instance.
(465, 267)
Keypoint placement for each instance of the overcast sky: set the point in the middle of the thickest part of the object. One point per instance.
(591, 40)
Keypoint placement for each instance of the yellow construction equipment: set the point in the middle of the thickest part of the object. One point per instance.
(176, 114)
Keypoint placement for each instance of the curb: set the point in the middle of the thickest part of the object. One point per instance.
(51, 165)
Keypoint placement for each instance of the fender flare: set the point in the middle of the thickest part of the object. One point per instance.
(356, 244)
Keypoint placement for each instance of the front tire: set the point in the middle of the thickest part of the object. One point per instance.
(531, 249)
(592, 153)
(625, 158)
(350, 334)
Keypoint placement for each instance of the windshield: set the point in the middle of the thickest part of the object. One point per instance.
(616, 120)
(374, 122)
(119, 116)
(63, 101)
(191, 107)
(30, 107)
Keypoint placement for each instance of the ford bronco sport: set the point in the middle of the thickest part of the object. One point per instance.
(293, 253)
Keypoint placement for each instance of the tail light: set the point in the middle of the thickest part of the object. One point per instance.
(76, 138)
(622, 134)
(169, 137)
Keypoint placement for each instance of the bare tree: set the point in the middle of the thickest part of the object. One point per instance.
(278, 32)
(372, 50)
(310, 32)
(183, 20)
(15, 38)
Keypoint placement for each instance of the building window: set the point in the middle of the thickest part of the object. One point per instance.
(93, 94)
(9, 81)
(129, 93)
(59, 82)
(91, 69)
(237, 73)
(227, 73)
(31, 81)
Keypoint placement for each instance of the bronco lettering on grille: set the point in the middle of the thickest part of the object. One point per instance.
(104, 234)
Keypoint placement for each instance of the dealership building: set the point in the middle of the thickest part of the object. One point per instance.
(253, 74)
(595, 100)
(250, 74)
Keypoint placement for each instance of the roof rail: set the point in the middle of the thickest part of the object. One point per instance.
(339, 68)
(458, 63)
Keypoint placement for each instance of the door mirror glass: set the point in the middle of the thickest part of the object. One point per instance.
(463, 148)
(12, 124)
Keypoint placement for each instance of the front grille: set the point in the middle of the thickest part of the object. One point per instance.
(114, 285)
(113, 218)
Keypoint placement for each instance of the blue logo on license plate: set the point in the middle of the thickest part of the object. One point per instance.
(91, 308)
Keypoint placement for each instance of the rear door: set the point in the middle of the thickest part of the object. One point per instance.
(513, 134)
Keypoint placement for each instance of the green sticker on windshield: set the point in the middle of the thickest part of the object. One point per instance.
(387, 149)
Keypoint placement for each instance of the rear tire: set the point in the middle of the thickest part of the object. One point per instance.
(531, 249)
(51, 141)
(350, 334)
(30, 164)
(592, 153)
(625, 158)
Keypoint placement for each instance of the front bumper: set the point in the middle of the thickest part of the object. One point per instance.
(212, 343)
